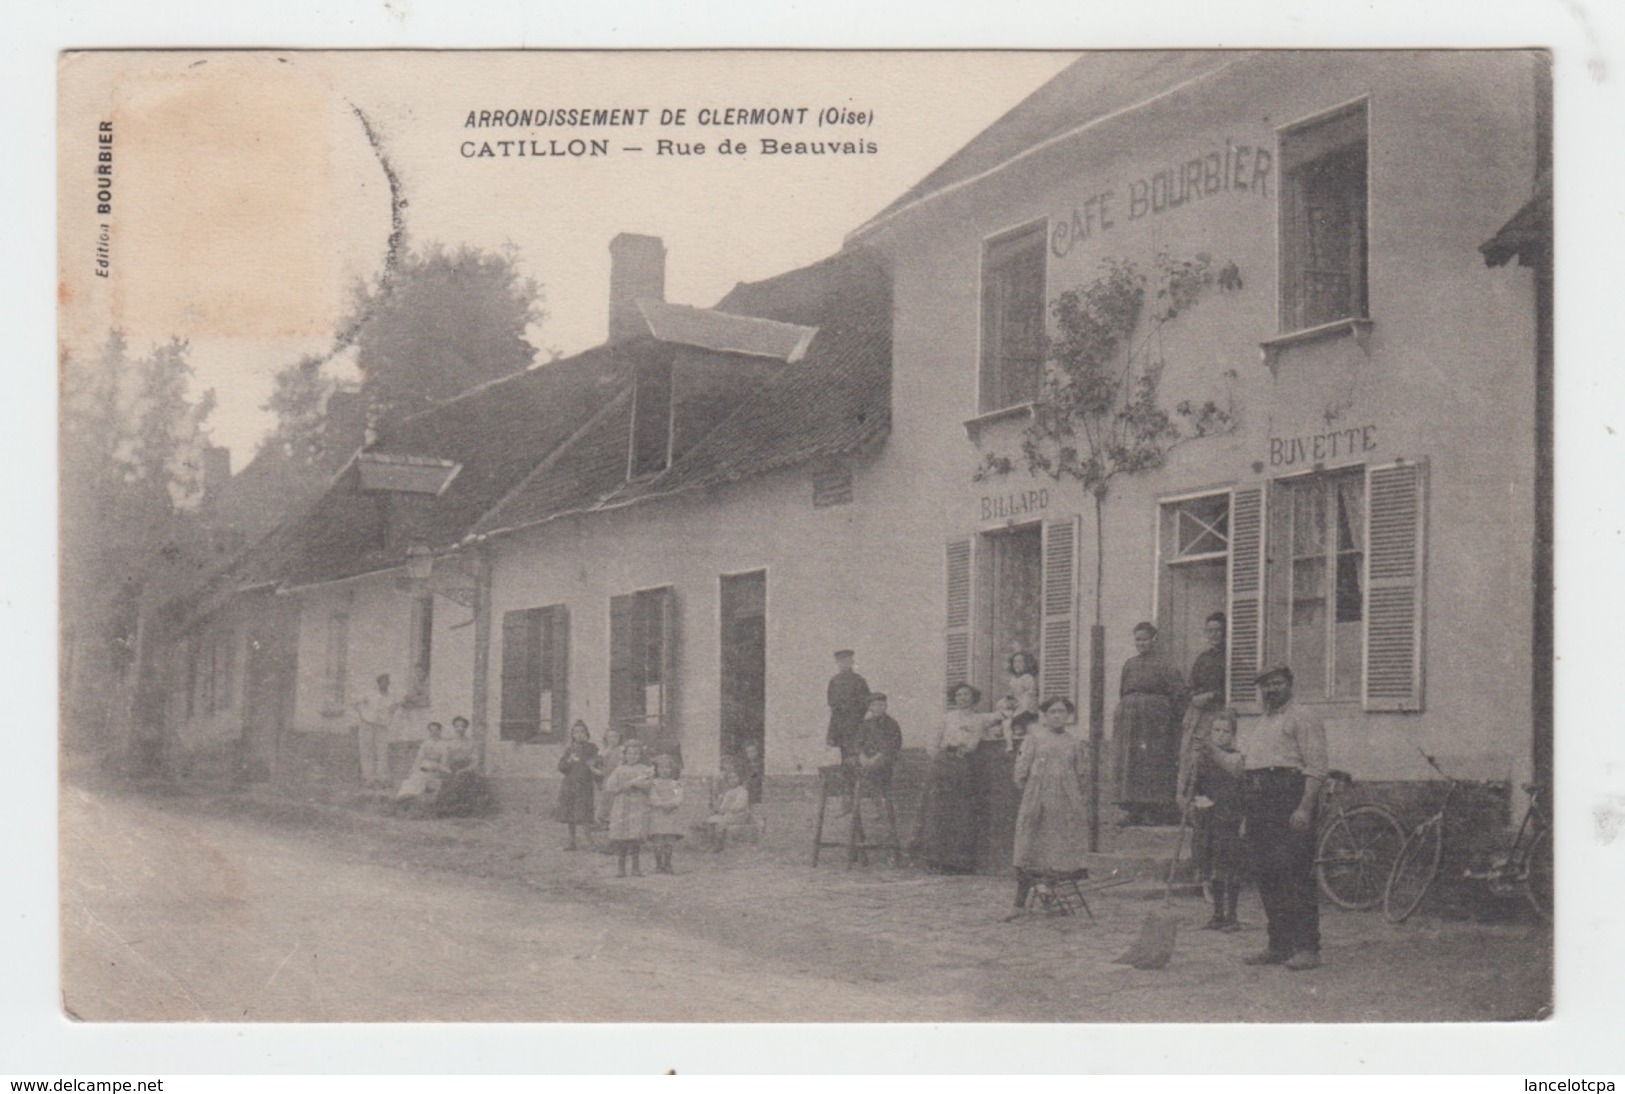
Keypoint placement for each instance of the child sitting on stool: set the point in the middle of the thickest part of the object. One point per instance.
(733, 810)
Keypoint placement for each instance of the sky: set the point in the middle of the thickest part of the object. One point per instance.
(247, 198)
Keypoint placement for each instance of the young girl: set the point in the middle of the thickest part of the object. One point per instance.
(1052, 829)
(733, 810)
(627, 789)
(1214, 797)
(576, 793)
(665, 799)
(1020, 703)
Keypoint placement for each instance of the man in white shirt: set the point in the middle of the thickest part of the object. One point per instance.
(375, 715)
(1282, 759)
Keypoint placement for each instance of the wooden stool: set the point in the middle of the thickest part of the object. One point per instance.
(858, 846)
(836, 780)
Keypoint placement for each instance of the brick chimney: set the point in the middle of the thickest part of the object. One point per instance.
(637, 270)
(346, 427)
(216, 469)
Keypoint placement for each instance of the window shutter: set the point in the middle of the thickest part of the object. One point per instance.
(958, 625)
(625, 660)
(560, 652)
(1246, 596)
(520, 695)
(1058, 661)
(668, 666)
(1393, 618)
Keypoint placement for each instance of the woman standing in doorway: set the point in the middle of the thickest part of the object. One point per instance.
(1145, 733)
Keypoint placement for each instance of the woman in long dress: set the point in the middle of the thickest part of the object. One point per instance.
(951, 812)
(1207, 697)
(1052, 827)
(1146, 730)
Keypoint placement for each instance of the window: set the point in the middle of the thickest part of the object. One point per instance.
(1012, 319)
(223, 668)
(642, 628)
(1194, 545)
(535, 675)
(1320, 581)
(335, 666)
(1323, 220)
(651, 418)
(422, 649)
(1338, 593)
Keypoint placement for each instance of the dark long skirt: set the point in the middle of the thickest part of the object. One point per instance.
(949, 827)
(1145, 738)
(575, 799)
(995, 767)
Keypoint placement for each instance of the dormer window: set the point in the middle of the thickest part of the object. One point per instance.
(651, 418)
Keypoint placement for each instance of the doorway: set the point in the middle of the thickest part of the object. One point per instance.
(744, 674)
(1196, 560)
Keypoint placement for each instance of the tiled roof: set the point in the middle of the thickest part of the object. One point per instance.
(710, 329)
(836, 400)
(1091, 88)
(555, 440)
(497, 433)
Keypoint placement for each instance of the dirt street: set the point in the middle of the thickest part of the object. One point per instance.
(176, 909)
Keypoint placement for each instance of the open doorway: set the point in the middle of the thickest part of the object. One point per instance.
(744, 675)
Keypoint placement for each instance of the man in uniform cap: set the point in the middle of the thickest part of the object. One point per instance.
(1282, 759)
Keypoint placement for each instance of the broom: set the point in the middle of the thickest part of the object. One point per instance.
(1154, 948)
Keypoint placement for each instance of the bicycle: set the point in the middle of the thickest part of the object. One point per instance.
(1356, 849)
(1526, 868)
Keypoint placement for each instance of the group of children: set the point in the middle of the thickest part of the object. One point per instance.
(638, 800)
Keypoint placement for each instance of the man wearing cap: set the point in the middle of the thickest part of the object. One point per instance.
(848, 701)
(1282, 759)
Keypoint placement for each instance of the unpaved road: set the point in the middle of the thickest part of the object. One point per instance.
(173, 912)
(177, 917)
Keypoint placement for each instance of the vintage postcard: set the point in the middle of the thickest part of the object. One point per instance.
(604, 537)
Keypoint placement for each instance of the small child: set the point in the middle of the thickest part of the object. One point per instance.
(1214, 797)
(733, 810)
(665, 799)
(627, 788)
(609, 757)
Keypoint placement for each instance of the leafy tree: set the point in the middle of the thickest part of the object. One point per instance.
(441, 323)
(1098, 414)
(298, 399)
(130, 447)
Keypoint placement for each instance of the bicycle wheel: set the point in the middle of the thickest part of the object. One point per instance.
(1356, 854)
(1537, 876)
(1414, 870)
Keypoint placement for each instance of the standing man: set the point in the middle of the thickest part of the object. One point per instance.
(1282, 759)
(848, 700)
(375, 714)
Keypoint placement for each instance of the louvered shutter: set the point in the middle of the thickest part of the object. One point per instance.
(669, 663)
(1245, 641)
(625, 662)
(957, 629)
(1393, 616)
(521, 694)
(558, 675)
(1058, 660)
